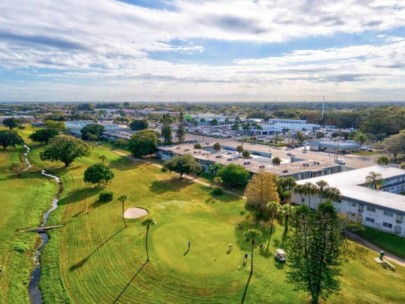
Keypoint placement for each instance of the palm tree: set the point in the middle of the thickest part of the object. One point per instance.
(374, 180)
(122, 199)
(103, 158)
(273, 207)
(309, 190)
(285, 187)
(251, 235)
(300, 190)
(322, 187)
(288, 211)
(333, 194)
(147, 223)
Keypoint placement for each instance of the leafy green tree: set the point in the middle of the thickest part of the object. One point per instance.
(122, 198)
(97, 174)
(11, 123)
(395, 144)
(239, 149)
(300, 137)
(276, 161)
(121, 143)
(43, 135)
(103, 158)
(143, 142)
(234, 176)
(147, 223)
(197, 146)
(214, 122)
(58, 126)
(246, 154)
(166, 131)
(66, 149)
(217, 147)
(182, 164)
(383, 160)
(138, 124)
(92, 129)
(315, 251)
(9, 138)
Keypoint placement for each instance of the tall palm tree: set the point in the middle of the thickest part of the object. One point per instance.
(374, 180)
(274, 208)
(147, 223)
(122, 199)
(103, 158)
(300, 190)
(322, 187)
(286, 185)
(288, 211)
(333, 194)
(309, 190)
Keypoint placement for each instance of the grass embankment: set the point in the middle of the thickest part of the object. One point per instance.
(99, 260)
(386, 241)
(23, 201)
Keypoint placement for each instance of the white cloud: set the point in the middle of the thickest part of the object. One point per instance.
(110, 41)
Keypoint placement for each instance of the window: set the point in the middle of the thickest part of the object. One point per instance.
(371, 209)
(369, 219)
(388, 213)
(387, 225)
(352, 204)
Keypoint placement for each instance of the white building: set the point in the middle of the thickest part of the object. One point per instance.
(345, 146)
(382, 209)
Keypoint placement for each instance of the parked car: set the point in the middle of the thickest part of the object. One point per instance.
(290, 154)
(280, 255)
(341, 162)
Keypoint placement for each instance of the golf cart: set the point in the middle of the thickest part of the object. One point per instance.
(280, 255)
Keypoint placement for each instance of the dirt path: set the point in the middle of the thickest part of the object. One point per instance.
(359, 240)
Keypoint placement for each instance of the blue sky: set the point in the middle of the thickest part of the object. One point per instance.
(161, 50)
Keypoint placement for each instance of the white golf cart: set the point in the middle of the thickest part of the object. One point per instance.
(280, 255)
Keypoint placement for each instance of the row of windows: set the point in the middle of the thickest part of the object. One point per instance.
(385, 224)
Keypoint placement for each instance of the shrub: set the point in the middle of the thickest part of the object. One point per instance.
(276, 161)
(197, 146)
(106, 197)
(245, 154)
(217, 191)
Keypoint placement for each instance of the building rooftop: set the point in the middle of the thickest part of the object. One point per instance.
(352, 185)
(255, 164)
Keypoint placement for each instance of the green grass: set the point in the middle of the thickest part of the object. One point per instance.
(23, 200)
(92, 259)
(97, 258)
(386, 241)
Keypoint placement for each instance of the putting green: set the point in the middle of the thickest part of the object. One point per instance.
(208, 254)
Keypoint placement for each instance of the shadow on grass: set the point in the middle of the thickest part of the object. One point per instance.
(173, 184)
(130, 281)
(279, 265)
(246, 287)
(84, 260)
(79, 195)
(124, 163)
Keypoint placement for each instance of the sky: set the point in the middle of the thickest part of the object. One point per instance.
(229, 50)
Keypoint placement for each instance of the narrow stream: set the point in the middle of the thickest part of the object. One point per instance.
(33, 287)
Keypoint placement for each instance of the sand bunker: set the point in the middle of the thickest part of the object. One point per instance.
(132, 213)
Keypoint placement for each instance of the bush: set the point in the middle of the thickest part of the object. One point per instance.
(197, 146)
(106, 197)
(245, 154)
(217, 191)
(276, 161)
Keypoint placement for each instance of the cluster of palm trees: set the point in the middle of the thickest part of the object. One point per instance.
(147, 222)
(320, 188)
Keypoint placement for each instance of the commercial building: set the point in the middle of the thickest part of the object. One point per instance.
(383, 209)
(345, 146)
(260, 161)
(111, 130)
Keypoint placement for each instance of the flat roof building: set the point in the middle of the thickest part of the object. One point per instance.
(383, 209)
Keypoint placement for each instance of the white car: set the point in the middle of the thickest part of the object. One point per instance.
(341, 162)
